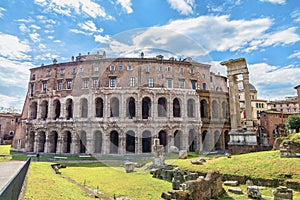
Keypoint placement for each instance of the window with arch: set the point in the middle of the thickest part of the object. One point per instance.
(191, 108)
(69, 109)
(203, 108)
(84, 108)
(44, 110)
(146, 107)
(56, 105)
(215, 108)
(33, 110)
(224, 109)
(130, 111)
(162, 107)
(176, 108)
(99, 107)
(114, 107)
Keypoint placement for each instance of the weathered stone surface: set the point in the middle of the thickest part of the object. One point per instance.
(289, 148)
(235, 190)
(231, 183)
(249, 182)
(173, 149)
(196, 162)
(283, 193)
(253, 192)
(191, 176)
(166, 195)
(129, 167)
(183, 154)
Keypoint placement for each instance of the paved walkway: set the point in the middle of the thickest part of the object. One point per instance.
(8, 170)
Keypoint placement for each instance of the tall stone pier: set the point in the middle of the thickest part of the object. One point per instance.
(241, 141)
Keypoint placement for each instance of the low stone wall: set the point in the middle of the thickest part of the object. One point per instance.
(289, 148)
(240, 149)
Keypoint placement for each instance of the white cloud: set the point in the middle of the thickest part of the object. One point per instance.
(288, 36)
(35, 37)
(9, 101)
(33, 26)
(45, 20)
(80, 32)
(185, 7)
(42, 47)
(295, 55)
(23, 28)
(12, 48)
(274, 1)
(68, 7)
(102, 39)
(90, 26)
(2, 10)
(126, 5)
(296, 15)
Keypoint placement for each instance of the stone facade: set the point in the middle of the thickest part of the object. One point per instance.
(289, 105)
(8, 124)
(101, 105)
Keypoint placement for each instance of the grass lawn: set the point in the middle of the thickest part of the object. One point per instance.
(5, 150)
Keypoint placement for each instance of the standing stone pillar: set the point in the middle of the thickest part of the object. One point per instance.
(47, 142)
(249, 123)
(234, 103)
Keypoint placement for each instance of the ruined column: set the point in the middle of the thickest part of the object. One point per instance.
(249, 123)
(234, 103)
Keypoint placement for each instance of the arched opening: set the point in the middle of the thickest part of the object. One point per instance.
(205, 140)
(146, 108)
(218, 140)
(44, 110)
(99, 107)
(130, 111)
(224, 109)
(30, 140)
(130, 142)
(114, 142)
(146, 142)
(84, 107)
(176, 108)
(192, 141)
(82, 138)
(227, 139)
(41, 141)
(33, 110)
(215, 108)
(56, 104)
(67, 142)
(191, 108)
(177, 139)
(203, 108)
(114, 107)
(162, 107)
(98, 142)
(53, 138)
(69, 109)
(163, 139)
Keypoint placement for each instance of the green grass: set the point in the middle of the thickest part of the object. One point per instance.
(267, 164)
(5, 150)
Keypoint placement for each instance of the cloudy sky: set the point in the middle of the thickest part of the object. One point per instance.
(265, 32)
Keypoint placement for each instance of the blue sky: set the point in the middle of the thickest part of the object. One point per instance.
(265, 32)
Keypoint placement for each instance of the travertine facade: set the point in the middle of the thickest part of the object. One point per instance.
(101, 105)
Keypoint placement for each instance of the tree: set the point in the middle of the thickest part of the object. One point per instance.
(293, 122)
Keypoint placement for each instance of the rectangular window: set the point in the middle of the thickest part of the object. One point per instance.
(181, 70)
(85, 83)
(48, 72)
(191, 71)
(62, 71)
(194, 84)
(147, 69)
(59, 85)
(69, 84)
(211, 79)
(160, 68)
(129, 67)
(203, 76)
(170, 83)
(74, 70)
(112, 82)
(95, 83)
(44, 86)
(121, 68)
(131, 81)
(112, 68)
(204, 86)
(168, 69)
(151, 82)
(96, 68)
(33, 77)
(81, 69)
(181, 83)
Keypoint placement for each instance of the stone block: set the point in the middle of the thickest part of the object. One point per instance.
(173, 149)
(231, 183)
(282, 193)
(253, 192)
(235, 190)
(183, 154)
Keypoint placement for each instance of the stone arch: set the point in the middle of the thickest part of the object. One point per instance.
(41, 136)
(114, 107)
(191, 108)
(176, 108)
(30, 141)
(67, 141)
(146, 141)
(205, 140)
(162, 107)
(146, 108)
(130, 142)
(44, 109)
(33, 110)
(98, 141)
(56, 106)
(217, 140)
(193, 140)
(130, 111)
(69, 109)
(99, 107)
(114, 142)
(53, 141)
(224, 109)
(177, 139)
(204, 108)
(163, 138)
(82, 139)
(84, 107)
(227, 139)
(215, 109)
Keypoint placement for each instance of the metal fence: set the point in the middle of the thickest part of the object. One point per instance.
(12, 190)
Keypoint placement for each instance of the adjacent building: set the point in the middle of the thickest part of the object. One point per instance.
(8, 124)
(288, 105)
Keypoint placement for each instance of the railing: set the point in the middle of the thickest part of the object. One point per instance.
(13, 188)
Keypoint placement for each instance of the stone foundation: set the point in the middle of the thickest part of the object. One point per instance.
(289, 148)
(240, 149)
